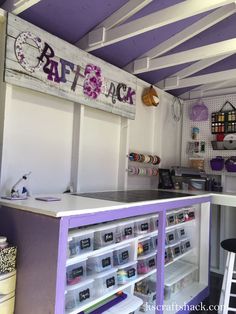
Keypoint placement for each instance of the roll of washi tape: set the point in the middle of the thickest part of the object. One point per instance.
(142, 158)
(136, 157)
(151, 159)
(147, 159)
(131, 156)
(149, 171)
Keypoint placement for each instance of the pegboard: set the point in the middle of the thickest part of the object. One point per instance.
(214, 104)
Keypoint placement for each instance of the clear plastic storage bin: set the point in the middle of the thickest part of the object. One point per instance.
(146, 290)
(189, 213)
(154, 243)
(144, 247)
(181, 233)
(79, 295)
(154, 220)
(104, 235)
(141, 226)
(80, 242)
(76, 273)
(179, 216)
(175, 249)
(124, 230)
(170, 218)
(168, 255)
(100, 262)
(146, 263)
(105, 282)
(171, 237)
(127, 273)
(122, 255)
(185, 245)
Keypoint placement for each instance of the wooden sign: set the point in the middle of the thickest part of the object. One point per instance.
(40, 61)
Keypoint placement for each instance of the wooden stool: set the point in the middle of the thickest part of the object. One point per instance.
(230, 246)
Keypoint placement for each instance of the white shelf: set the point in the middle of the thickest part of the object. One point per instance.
(110, 293)
(179, 257)
(183, 297)
(190, 222)
(177, 271)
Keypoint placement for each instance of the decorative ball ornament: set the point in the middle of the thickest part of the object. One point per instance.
(150, 97)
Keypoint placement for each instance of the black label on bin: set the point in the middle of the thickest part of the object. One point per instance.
(128, 231)
(152, 262)
(106, 262)
(171, 219)
(145, 247)
(84, 295)
(108, 237)
(182, 232)
(177, 250)
(131, 272)
(85, 243)
(124, 255)
(144, 227)
(187, 244)
(77, 272)
(171, 237)
(110, 282)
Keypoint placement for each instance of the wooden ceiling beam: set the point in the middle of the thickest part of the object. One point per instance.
(18, 6)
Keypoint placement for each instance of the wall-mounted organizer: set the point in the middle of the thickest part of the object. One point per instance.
(121, 256)
(224, 121)
(145, 160)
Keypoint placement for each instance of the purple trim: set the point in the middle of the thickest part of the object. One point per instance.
(160, 260)
(61, 266)
(110, 215)
(196, 300)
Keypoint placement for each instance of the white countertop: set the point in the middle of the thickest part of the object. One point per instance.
(72, 205)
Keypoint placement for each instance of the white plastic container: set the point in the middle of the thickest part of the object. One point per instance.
(168, 255)
(170, 218)
(189, 213)
(181, 233)
(144, 246)
(141, 226)
(175, 249)
(186, 245)
(122, 255)
(80, 241)
(179, 216)
(127, 273)
(146, 263)
(76, 273)
(105, 282)
(104, 235)
(124, 230)
(100, 262)
(154, 220)
(79, 295)
(171, 237)
(154, 243)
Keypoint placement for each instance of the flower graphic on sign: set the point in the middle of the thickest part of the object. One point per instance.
(93, 81)
(21, 55)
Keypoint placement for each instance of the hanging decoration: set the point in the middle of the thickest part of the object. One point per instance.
(150, 97)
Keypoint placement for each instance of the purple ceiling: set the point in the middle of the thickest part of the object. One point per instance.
(72, 19)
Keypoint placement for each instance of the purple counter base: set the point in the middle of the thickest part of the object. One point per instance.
(42, 251)
(195, 301)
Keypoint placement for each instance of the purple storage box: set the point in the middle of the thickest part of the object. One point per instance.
(217, 163)
(230, 164)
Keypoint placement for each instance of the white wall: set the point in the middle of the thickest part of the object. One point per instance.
(38, 138)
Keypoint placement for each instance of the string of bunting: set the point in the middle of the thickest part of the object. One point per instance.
(147, 159)
(148, 171)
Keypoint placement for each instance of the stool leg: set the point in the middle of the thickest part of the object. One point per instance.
(228, 283)
(224, 284)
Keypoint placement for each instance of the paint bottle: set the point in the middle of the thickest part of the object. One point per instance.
(3, 243)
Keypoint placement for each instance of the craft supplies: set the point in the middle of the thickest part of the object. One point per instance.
(80, 241)
(217, 163)
(76, 273)
(124, 231)
(224, 121)
(104, 235)
(127, 273)
(144, 246)
(100, 262)
(195, 133)
(105, 282)
(79, 294)
(146, 263)
(122, 255)
(141, 226)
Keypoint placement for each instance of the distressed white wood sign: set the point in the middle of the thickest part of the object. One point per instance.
(40, 61)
